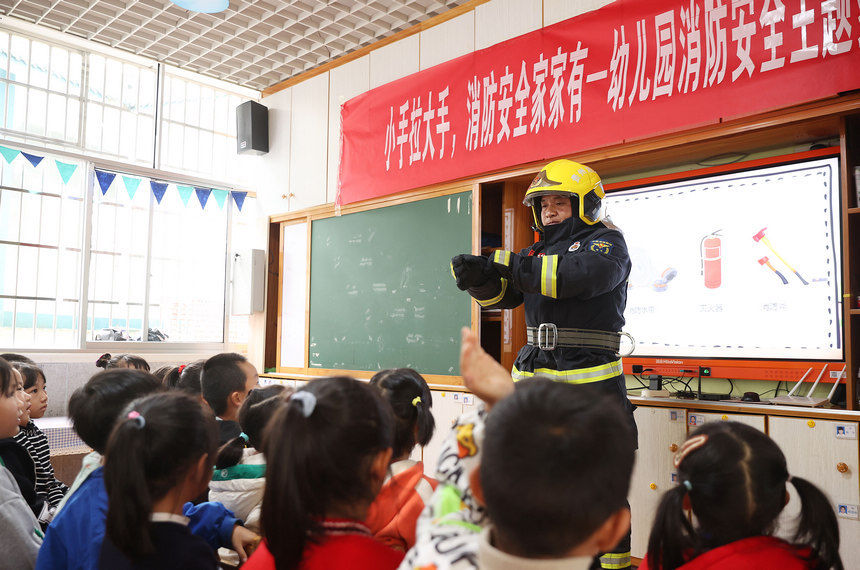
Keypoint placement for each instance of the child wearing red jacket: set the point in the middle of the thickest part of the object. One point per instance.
(733, 478)
(395, 511)
(327, 449)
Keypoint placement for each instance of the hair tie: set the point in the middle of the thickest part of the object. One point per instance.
(688, 485)
(138, 419)
(691, 444)
(181, 368)
(308, 400)
(416, 400)
(244, 436)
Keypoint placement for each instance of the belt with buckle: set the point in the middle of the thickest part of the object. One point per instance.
(548, 336)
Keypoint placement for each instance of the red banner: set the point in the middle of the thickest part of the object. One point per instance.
(627, 71)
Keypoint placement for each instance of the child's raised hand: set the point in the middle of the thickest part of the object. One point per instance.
(483, 376)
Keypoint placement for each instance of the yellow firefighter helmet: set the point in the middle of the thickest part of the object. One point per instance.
(566, 177)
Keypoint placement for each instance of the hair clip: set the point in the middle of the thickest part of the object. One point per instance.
(181, 368)
(138, 419)
(691, 444)
(688, 485)
(308, 400)
(244, 436)
(416, 400)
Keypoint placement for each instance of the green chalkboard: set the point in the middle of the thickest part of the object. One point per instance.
(382, 295)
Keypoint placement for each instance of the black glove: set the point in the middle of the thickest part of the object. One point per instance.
(471, 271)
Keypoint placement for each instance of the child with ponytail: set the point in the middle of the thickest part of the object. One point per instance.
(240, 469)
(149, 475)
(395, 511)
(733, 478)
(328, 450)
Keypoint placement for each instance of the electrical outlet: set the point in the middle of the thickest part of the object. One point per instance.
(636, 369)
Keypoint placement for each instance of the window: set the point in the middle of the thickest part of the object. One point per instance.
(145, 264)
(120, 109)
(40, 254)
(180, 243)
(187, 291)
(198, 129)
(40, 89)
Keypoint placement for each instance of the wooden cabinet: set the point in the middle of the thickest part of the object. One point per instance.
(505, 224)
(661, 432)
(695, 419)
(814, 452)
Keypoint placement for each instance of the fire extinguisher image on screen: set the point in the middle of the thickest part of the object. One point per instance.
(711, 254)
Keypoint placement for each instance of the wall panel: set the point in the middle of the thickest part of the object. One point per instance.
(502, 20)
(346, 82)
(394, 61)
(557, 10)
(309, 148)
(448, 40)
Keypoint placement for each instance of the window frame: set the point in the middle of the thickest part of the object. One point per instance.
(92, 159)
(89, 165)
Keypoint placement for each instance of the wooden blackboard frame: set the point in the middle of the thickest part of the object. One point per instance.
(327, 211)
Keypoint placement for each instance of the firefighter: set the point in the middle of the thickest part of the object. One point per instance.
(573, 283)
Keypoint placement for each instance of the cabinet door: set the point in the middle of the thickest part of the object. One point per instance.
(447, 407)
(823, 452)
(661, 432)
(695, 419)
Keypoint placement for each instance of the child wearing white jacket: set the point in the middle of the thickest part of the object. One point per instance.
(240, 470)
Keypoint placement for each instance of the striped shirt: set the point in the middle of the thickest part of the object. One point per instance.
(35, 442)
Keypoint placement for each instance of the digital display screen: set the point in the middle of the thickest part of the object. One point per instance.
(738, 265)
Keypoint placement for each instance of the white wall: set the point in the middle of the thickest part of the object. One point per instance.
(345, 82)
(304, 120)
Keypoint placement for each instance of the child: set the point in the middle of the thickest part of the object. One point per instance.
(189, 379)
(149, 475)
(240, 472)
(74, 538)
(34, 440)
(16, 458)
(328, 451)
(12, 358)
(168, 375)
(226, 379)
(733, 478)
(393, 514)
(21, 535)
(107, 362)
(548, 493)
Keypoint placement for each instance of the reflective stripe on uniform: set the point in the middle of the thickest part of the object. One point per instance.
(548, 283)
(502, 257)
(615, 560)
(451, 265)
(575, 376)
(497, 298)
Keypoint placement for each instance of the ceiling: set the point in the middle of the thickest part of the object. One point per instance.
(254, 43)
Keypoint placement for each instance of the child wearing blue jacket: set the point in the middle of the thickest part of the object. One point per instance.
(74, 538)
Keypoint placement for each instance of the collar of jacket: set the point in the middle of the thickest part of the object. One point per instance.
(570, 228)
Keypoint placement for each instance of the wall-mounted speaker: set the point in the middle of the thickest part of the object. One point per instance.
(252, 128)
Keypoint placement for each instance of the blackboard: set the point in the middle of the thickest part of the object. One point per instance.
(382, 295)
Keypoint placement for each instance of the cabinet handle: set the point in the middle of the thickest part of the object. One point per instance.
(842, 467)
(725, 417)
(653, 486)
(811, 423)
(673, 448)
